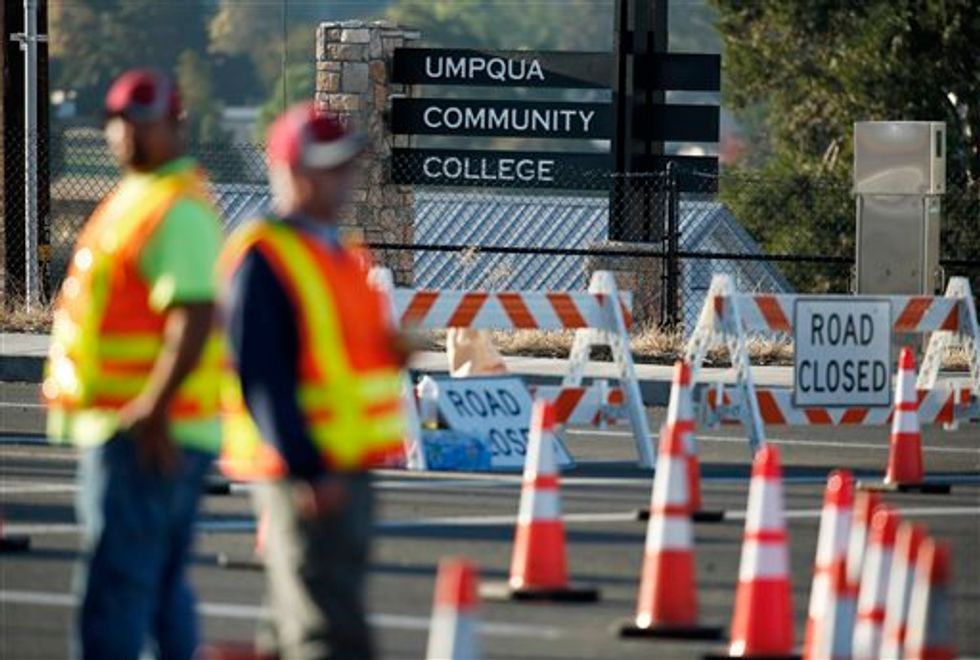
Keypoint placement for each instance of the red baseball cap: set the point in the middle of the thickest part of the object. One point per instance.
(303, 137)
(143, 95)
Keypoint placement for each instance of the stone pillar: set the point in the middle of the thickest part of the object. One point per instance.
(353, 80)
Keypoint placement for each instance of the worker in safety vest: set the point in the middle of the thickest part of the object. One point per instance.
(132, 379)
(314, 399)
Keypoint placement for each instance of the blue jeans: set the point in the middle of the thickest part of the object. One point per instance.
(137, 530)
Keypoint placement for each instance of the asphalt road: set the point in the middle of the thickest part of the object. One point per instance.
(424, 517)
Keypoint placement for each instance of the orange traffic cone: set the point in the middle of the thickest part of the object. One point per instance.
(907, 542)
(453, 633)
(930, 623)
(538, 569)
(680, 422)
(874, 584)
(832, 632)
(905, 471)
(12, 542)
(865, 505)
(667, 604)
(762, 624)
(835, 525)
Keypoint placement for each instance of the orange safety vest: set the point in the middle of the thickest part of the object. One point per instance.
(105, 336)
(350, 383)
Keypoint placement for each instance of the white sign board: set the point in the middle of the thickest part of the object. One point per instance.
(842, 352)
(497, 409)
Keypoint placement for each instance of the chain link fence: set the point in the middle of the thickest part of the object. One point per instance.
(672, 230)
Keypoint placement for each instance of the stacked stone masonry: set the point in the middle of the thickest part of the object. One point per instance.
(353, 80)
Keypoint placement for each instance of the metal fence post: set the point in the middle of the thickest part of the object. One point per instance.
(672, 269)
(28, 44)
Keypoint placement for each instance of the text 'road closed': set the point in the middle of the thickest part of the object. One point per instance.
(497, 409)
(842, 349)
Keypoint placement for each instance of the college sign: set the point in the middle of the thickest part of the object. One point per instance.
(502, 118)
(437, 66)
(542, 119)
(475, 168)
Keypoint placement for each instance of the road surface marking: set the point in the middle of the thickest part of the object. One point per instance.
(248, 524)
(783, 441)
(27, 488)
(252, 612)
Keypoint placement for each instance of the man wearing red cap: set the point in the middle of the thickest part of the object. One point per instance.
(314, 400)
(132, 379)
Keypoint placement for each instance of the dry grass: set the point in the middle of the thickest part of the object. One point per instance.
(650, 344)
(19, 319)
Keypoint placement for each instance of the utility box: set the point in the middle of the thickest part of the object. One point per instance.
(899, 178)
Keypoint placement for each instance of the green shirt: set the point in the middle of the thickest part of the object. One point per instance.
(178, 263)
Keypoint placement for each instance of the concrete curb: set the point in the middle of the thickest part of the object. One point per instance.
(30, 369)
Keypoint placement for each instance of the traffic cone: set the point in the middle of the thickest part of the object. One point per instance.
(907, 542)
(835, 525)
(831, 638)
(930, 623)
(667, 604)
(905, 471)
(453, 633)
(874, 584)
(762, 624)
(865, 505)
(680, 422)
(538, 569)
(12, 542)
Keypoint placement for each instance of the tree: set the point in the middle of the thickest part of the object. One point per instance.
(820, 65)
(299, 87)
(252, 28)
(93, 41)
(538, 25)
(202, 107)
(255, 28)
(799, 73)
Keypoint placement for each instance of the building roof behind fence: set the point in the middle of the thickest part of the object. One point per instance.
(525, 220)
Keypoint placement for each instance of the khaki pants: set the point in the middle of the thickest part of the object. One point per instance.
(315, 574)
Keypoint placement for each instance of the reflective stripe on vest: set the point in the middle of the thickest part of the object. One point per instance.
(350, 386)
(105, 336)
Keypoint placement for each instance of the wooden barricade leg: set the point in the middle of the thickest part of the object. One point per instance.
(967, 335)
(382, 280)
(617, 335)
(585, 338)
(721, 320)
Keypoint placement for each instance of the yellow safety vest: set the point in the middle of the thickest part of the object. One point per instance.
(105, 335)
(350, 389)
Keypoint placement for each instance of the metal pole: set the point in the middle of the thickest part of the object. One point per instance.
(622, 105)
(285, 53)
(673, 246)
(29, 46)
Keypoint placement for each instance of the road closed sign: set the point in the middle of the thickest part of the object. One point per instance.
(497, 409)
(842, 352)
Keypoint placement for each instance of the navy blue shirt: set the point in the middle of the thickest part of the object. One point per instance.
(264, 338)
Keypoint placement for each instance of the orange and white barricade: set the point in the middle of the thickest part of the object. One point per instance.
(599, 316)
(597, 405)
(729, 317)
